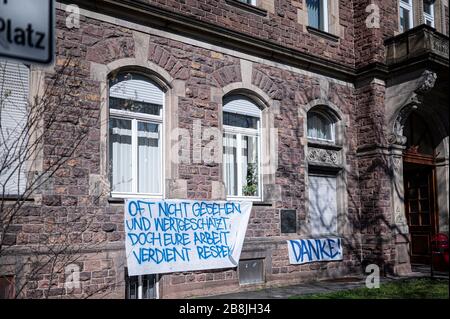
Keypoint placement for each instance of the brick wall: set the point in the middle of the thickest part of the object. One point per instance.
(73, 210)
(282, 26)
(375, 175)
(369, 47)
(87, 220)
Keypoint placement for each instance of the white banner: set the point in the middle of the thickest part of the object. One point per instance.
(183, 235)
(303, 251)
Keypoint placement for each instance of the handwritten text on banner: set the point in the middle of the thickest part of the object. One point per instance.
(310, 250)
(183, 235)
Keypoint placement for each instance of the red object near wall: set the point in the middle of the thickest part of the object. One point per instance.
(439, 246)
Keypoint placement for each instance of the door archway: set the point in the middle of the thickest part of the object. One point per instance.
(420, 188)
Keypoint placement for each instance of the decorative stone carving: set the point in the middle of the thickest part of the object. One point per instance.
(427, 82)
(440, 46)
(400, 221)
(397, 161)
(396, 139)
(323, 156)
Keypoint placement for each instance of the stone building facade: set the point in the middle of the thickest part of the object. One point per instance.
(359, 68)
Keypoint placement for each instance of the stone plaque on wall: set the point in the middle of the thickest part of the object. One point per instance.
(288, 221)
(324, 156)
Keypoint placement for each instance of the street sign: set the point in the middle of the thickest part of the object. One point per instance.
(27, 30)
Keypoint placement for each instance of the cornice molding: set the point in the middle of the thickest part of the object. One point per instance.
(146, 14)
(149, 15)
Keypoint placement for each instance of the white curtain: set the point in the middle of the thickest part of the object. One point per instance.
(240, 104)
(314, 13)
(149, 158)
(121, 155)
(244, 159)
(230, 163)
(322, 205)
(319, 127)
(137, 90)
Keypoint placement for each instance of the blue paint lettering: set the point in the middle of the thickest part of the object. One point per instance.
(220, 251)
(142, 223)
(158, 256)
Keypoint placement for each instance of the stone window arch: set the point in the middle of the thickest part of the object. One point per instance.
(174, 89)
(324, 124)
(136, 105)
(320, 126)
(325, 179)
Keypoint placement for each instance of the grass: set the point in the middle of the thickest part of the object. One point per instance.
(423, 288)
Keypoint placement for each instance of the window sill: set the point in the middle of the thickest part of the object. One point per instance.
(324, 168)
(14, 198)
(255, 201)
(247, 7)
(323, 34)
(244, 199)
(121, 198)
(116, 200)
(324, 144)
(259, 203)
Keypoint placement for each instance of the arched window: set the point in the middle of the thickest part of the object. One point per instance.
(135, 135)
(323, 168)
(241, 149)
(320, 126)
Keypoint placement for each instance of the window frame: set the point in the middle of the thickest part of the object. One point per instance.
(323, 7)
(136, 117)
(337, 206)
(240, 132)
(140, 286)
(407, 6)
(261, 275)
(332, 122)
(429, 16)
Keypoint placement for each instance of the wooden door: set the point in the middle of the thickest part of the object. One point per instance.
(420, 210)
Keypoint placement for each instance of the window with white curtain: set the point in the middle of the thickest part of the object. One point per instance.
(322, 205)
(135, 135)
(252, 2)
(14, 91)
(406, 15)
(428, 13)
(318, 14)
(241, 147)
(320, 126)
